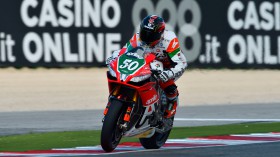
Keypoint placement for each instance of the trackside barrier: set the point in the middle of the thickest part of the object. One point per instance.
(83, 33)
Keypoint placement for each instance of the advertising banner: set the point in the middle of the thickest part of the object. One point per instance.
(83, 33)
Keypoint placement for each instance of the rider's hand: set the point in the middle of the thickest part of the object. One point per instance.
(114, 55)
(108, 60)
(165, 75)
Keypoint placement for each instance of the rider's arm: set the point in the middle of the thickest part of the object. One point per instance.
(181, 64)
(177, 56)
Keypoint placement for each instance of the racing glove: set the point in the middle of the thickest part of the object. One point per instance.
(166, 75)
(108, 60)
(115, 54)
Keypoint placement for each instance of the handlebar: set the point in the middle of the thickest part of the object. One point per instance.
(155, 74)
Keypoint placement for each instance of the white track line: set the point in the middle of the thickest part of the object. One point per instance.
(227, 120)
(273, 135)
(213, 141)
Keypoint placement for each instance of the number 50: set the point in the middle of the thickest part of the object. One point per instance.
(129, 64)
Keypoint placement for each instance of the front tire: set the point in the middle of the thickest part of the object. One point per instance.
(111, 134)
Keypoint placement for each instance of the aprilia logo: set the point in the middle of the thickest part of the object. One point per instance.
(154, 98)
(174, 44)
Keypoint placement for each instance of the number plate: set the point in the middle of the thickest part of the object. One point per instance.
(129, 65)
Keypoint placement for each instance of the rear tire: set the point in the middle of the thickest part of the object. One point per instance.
(111, 134)
(156, 141)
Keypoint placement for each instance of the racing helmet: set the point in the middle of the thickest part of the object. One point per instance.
(151, 29)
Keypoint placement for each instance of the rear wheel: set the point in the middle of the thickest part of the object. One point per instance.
(156, 141)
(111, 133)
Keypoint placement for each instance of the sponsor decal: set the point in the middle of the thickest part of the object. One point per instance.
(133, 54)
(151, 27)
(153, 99)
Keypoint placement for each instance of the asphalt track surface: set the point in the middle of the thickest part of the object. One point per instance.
(26, 122)
(250, 150)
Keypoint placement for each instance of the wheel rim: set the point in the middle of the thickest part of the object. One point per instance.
(116, 137)
(161, 138)
(117, 134)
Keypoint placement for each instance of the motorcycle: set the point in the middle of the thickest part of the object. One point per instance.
(136, 103)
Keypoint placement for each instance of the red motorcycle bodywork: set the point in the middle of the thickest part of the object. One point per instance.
(147, 91)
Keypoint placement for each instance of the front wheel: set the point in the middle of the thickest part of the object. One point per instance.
(111, 133)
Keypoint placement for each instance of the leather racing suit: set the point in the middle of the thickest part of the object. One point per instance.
(167, 50)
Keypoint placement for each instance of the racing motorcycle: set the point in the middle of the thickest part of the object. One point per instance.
(136, 103)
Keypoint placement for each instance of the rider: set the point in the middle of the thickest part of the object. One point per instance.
(165, 45)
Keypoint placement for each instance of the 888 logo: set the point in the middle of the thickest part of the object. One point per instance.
(188, 28)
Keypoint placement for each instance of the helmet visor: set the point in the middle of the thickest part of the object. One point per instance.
(149, 36)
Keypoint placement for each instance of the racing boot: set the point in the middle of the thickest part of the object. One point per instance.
(171, 92)
(171, 108)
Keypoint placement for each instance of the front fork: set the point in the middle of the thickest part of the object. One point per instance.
(130, 103)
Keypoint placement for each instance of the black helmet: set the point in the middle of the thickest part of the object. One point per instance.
(151, 29)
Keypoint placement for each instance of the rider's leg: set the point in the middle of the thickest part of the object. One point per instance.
(171, 92)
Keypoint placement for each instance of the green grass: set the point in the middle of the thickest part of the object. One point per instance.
(44, 141)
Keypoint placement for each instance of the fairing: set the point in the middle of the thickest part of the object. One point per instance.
(142, 95)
